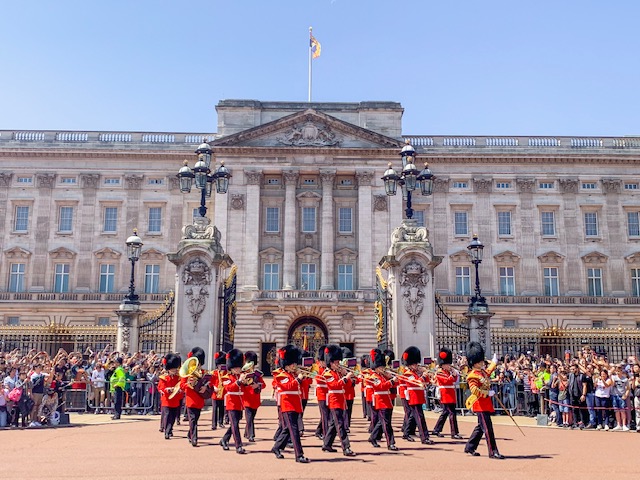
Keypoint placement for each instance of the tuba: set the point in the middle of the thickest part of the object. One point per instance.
(190, 369)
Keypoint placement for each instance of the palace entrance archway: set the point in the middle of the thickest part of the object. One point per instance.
(308, 333)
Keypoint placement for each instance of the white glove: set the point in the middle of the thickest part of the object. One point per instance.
(491, 393)
(494, 359)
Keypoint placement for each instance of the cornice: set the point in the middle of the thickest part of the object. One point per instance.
(91, 154)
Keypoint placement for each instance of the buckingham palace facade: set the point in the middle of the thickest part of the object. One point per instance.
(306, 221)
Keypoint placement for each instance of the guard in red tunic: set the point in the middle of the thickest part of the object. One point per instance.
(366, 407)
(167, 386)
(335, 378)
(234, 386)
(446, 378)
(217, 398)
(194, 399)
(382, 383)
(251, 396)
(305, 386)
(349, 392)
(321, 395)
(415, 382)
(288, 382)
(480, 401)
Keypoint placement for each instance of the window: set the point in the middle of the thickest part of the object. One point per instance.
(345, 224)
(594, 282)
(110, 219)
(507, 281)
(107, 278)
(503, 185)
(68, 180)
(504, 223)
(509, 324)
(635, 282)
(588, 186)
(271, 276)
(273, 181)
(545, 185)
(155, 219)
(13, 321)
(308, 276)
(308, 181)
(418, 216)
(633, 223)
(345, 182)
(22, 218)
(27, 180)
(463, 281)
(65, 223)
(16, 277)
(61, 278)
(273, 220)
(309, 219)
(551, 284)
(631, 186)
(151, 278)
(597, 324)
(155, 181)
(548, 223)
(112, 181)
(460, 185)
(591, 224)
(104, 321)
(345, 276)
(461, 226)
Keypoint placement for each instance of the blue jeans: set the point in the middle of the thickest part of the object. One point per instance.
(591, 402)
(3, 416)
(553, 396)
(602, 415)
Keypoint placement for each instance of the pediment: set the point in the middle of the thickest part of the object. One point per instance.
(270, 255)
(152, 254)
(507, 257)
(633, 258)
(460, 256)
(345, 255)
(17, 252)
(309, 129)
(308, 255)
(551, 257)
(596, 258)
(62, 252)
(107, 253)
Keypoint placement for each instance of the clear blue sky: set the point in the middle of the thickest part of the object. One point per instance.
(467, 67)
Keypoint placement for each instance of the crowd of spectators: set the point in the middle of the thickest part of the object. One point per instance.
(34, 386)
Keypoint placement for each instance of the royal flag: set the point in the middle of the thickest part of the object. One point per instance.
(305, 343)
(315, 47)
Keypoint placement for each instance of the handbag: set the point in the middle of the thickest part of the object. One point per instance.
(15, 394)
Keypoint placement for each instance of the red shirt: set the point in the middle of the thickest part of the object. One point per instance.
(479, 382)
(305, 385)
(321, 385)
(447, 385)
(251, 394)
(232, 392)
(165, 387)
(414, 393)
(335, 393)
(381, 394)
(290, 394)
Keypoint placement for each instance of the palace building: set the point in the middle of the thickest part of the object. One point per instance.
(306, 221)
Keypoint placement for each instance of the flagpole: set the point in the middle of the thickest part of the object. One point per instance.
(310, 36)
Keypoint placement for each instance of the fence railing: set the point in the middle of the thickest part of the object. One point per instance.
(542, 300)
(140, 396)
(75, 297)
(342, 295)
(80, 137)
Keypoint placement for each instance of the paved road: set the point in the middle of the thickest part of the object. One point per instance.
(97, 448)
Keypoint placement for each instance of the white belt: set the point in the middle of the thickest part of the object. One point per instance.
(290, 393)
(321, 386)
(335, 391)
(234, 393)
(386, 392)
(415, 388)
(446, 386)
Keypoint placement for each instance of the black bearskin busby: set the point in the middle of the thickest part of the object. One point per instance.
(445, 357)
(364, 361)
(235, 358)
(389, 356)
(346, 352)
(332, 353)
(377, 358)
(290, 354)
(220, 358)
(172, 360)
(475, 353)
(198, 353)
(320, 355)
(411, 356)
(251, 356)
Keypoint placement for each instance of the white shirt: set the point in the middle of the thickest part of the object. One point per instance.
(97, 378)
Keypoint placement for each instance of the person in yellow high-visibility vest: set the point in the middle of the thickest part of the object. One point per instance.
(118, 381)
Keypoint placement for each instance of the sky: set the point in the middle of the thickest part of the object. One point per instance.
(458, 67)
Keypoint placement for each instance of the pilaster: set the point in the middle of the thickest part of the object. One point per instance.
(289, 232)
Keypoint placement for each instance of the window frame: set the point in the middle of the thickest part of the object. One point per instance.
(152, 279)
(313, 222)
(105, 219)
(592, 224)
(17, 278)
(18, 217)
(61, 219)
(548, 290)
(107, 275)
(61, 280)
(342, 219)
(271, 275)
(456, 233)
(311, 277)
(594, 281)
(460, 277)
(346, 278)
(554, 232)
(502, 234)
(155, 222)
(267, 220)
(507, 282)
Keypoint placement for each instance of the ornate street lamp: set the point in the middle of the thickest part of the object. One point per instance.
(478, 303)
(134, 247)
(410, 178)
(201, 175)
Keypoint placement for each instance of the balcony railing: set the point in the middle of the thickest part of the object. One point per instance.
(316, 295)
(76, 297)
(541, 300)
(100, 139)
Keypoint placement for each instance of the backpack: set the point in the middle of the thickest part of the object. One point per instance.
(15, 394)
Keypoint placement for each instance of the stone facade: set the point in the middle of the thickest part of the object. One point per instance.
(306, 220)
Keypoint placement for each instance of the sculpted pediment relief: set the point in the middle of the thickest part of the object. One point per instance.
(346, 255)
(551, 257)
(308, 255)
(461, 256)
(62, 252)
(634, 258)
(594, 258)
(270, 255)
(152, 254)
(17, 252)
(107, 253)
(309, 129)
(507, 258)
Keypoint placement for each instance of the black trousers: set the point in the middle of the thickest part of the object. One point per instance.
(336, 427)
(383, 425)
(323, 424)
(409, 422)
(301, 417)
(194, 415)
(348, 415)
(484, 427)
(118, 398)
(580, 412)
(418, 415)
(234, 427)
(365, 406)
(289, 432)
(217, 415)
(169, 415)
(249, 429)
(448, 410)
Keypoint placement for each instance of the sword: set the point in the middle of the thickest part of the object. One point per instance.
(509, 413)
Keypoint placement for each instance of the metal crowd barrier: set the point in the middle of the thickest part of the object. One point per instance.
(141, 397)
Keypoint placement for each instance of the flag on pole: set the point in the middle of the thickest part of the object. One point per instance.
(305, 343)
(315, 47)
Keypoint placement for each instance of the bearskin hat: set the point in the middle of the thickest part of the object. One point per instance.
(411, 356)
(332, 353)
(220, 358)
(377, 358)
(289, 355)
(320, 356)
(251, 356)
(389, 356)
(198, 353)
(171, 361)
(364, 361)
(235, 358)
(346, 352)
(475, 353)
(445, 356)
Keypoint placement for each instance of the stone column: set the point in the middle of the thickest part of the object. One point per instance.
(366, 269)
(43, 217)
(5, 183)
(128, 323)
(570, 212)
(479, 330)
(442, 236)
(484, 221)
(252, 229)
(528, 237)
(88, 208)
(200, 261)
(328, 230)
(289, 232)
(613, 226)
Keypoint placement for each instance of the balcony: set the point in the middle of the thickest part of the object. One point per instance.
(316, 295)
(76, 297)
(540, 300)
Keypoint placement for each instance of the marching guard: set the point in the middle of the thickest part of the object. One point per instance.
(321, 395)
(234, 384)
(194, 394)
(251, 396)
(382, 384)
(415, 383)
(446, 378)
(170, 393)
(217, 398)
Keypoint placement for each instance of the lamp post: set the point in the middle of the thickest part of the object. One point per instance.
(134, 247)
(409, 179)
(204, 179)
(478, 303)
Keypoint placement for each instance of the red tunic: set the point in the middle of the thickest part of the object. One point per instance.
(350, 389)
(447, 384)
(290, 394)
(321, 386)
(193, 398)
(232, 392)
(479, 382)
(251, 394)
(215, 380)
(414, 393)
(305, 386)
(165, 387)
(335, 392)
(381, 394)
